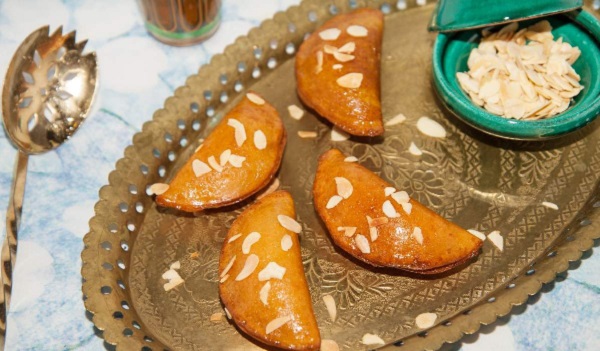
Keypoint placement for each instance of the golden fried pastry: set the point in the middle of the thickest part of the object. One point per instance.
(262, 282)
(374, 222)
(337, 71)
(237, 159)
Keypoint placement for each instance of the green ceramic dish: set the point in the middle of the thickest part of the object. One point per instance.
(453, 15)
(579, 28)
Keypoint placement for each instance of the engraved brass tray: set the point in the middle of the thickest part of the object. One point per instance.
(475, 181)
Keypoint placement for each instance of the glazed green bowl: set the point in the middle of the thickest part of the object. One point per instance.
(579, 28)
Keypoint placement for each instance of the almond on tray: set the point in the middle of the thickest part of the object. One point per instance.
(238, 158)
(381, 225)
(337, 71)
(262, 283)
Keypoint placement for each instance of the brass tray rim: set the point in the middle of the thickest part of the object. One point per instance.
(560, 254)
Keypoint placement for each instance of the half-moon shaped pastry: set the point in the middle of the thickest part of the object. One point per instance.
(262, 282)
(337, 71)
(237, 159)
(374, 222)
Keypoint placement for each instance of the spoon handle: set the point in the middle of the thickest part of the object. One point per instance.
(9, 247)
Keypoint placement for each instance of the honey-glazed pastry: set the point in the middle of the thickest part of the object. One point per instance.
(378, 224)
(238, 158)
(337, 71)
(262, 282)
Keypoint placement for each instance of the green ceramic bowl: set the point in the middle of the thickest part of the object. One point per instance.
(579, 28)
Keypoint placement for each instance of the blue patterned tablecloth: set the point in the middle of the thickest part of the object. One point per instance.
(137, 73)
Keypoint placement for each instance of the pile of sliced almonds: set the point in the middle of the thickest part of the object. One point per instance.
(522, 74)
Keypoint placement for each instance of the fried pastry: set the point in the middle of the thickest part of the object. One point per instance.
(374, 222)
(262, 282)
(237, 159)
(337, 71)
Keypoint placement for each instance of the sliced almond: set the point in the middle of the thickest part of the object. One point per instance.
(216, 317)
(330, 305)
(379, 221)
(224, 278)
(431, 128)
(350, 80)
(344, 187)
(236, 160)
(173, 284)
(255, 99)
(249, 267)
(357, 31)
(200, 168)
(272, 187)
(234, 238)
(158, 188)
(496, 239)
(372, 339)
(337, 66)
(330, 34)
(351, 159)
(407, 207)
(389, 191)
(260, 140)
(271, 271)
(414, 149)
(295, 112)
(348, 48)
(400, 118)
(286, 242)
(362, 243)
(339, 135)
(319, 67)
(389, 210)
(224, 158)
(401, 197)
(289, 223)
(373, 233)
(212, 161)
(348, 231)
(175, 265)
(426, 320)
(228, 267)
(307, 134)
(477, 234)
(250, 240)
(264, 293)
(333, 201)
(240, 131)
(227, 313)
(277, 323)
(417, 234)
(329, 49)
(550, 205)
(329, 345)
(341, 57)
(170, 274)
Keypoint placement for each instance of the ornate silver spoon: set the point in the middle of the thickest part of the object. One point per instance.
(48, 91)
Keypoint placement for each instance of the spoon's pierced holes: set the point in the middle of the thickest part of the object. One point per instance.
(196, 125)
(125, 305)
(121, 264)
(113, 228)
(238, 86)
(25, 102)
(223, 79)
(133, 189)
(63, 95)
(43, 91)
(257, 53)
(118, 315)
(273, 44)
(121, 284)
(37, 59)
(256, 73)
(181, 124)
(447, 323)
(241, 67)
(123, 207)
(511, 285)
(168, 138)
(333, 9)
(207, 95)
(352, 4)
(51, 72)
(127, 332)
(171, 156)
(107, 266)
(194, 107)
(530, 272)
(272, 63)
(156, 153)
(106, 245)
(399, 343)
(290, 49)
(60, 53)
(306, 36)
(28, 78)
(70, 76)
(124, 245)
(401, 5)
(139, 207)
(491, 299)
(312, 16)
(162, 171)
(224, 97)
(291, 28)
(386, 8)
(585, 222)
(148, 339)
(183, 142)
(144, 169)
(210, 111)
(105, 290)
(136, 325)
(48, 113)
(32, 122)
